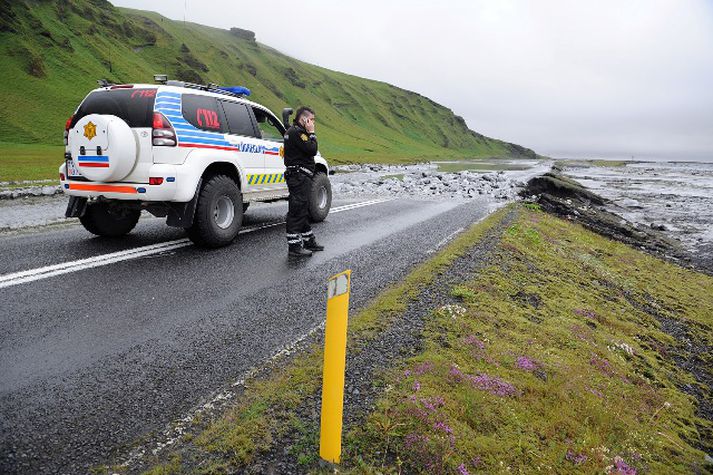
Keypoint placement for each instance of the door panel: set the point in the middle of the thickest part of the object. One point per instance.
(271, 137)
(243, 135)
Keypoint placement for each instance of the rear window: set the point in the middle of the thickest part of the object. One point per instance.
(135, 106)
(204, 113)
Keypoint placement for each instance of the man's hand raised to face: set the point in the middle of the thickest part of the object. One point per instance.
(309, 124)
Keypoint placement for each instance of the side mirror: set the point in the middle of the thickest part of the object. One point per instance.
(286, 113)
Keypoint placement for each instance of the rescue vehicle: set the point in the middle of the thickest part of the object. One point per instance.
(197, 155)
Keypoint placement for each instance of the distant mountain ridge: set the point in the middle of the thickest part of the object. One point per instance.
(53, 51)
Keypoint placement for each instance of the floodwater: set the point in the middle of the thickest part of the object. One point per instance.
(677, 195)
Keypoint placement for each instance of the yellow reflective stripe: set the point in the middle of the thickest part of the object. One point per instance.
(266, 178)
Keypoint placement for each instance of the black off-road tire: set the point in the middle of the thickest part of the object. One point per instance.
(102, 219)
(320, 197)
(210, 226)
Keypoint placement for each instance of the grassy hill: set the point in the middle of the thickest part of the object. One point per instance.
(53, 52)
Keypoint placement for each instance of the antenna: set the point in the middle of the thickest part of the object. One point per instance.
(185, 6)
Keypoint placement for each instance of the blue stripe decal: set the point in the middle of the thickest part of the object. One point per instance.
(198, 134)
(167, 108)
(182, 123)
(173, 116)
(205, 141)
(93, 158)
(167, 100)
(184, 127)
(168, 94)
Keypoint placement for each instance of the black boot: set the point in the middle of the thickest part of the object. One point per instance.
(296, 250)
(312, 245)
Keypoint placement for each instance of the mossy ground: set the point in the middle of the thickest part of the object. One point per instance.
(553, 361)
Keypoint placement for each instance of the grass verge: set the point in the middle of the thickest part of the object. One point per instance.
(552, 360)
(20, 162)
(266, 409)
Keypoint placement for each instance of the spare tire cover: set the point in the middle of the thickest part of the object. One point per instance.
(103, 147)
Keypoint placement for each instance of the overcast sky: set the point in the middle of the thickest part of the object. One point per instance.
(602, 78)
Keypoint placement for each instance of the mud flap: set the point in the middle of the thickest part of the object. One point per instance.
(180, 215)
(76, 207)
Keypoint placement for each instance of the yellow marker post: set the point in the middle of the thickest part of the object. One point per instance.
(335, 354)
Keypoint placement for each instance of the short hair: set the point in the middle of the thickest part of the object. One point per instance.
(300, 112)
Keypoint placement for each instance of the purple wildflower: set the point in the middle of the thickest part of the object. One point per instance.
(407, 373)
(525, 363)
(462, 470)
(581, 332)
(442, 426)
(456, 374)
(582, 312)
(416, 386)
(417, 440)
(433, 403)
(422, 368)
(576, 459)
(601, 364)
(493, 385)
(622, 468)
(596, 392)
(474, 341)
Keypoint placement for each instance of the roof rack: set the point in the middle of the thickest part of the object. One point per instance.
(235, 91)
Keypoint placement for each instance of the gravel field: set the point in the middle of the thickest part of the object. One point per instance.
(424, 182)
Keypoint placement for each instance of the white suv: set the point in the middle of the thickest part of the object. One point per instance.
(197, 155)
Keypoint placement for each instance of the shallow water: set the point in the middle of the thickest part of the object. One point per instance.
(455, 166)
(677, 195)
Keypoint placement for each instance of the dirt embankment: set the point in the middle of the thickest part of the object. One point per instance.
(565, 197)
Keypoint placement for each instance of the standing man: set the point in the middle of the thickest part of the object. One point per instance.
(300, 149)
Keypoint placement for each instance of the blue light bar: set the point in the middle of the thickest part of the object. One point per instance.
(236, 90)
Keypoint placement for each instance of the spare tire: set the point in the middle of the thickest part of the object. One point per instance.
(103, 147)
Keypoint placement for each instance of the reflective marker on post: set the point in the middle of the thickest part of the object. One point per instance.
(335, 353)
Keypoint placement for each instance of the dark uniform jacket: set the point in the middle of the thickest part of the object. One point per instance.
(300, 148)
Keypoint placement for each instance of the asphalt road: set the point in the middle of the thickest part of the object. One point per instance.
(103, 341)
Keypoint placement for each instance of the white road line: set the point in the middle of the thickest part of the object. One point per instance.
(46, 272)
(177, 428)
(443, 241)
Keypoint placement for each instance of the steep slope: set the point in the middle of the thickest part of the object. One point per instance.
(53, 52)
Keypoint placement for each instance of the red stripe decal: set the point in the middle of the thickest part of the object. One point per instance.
(94, 164)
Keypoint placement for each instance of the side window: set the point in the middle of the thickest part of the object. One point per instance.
(239, 120)
(204, 113)
(270, 128)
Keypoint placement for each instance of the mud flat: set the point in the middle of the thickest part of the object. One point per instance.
(674, 197)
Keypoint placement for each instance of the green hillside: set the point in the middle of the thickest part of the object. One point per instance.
(52, 53)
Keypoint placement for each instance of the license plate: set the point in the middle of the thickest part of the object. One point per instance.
(72, 170)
